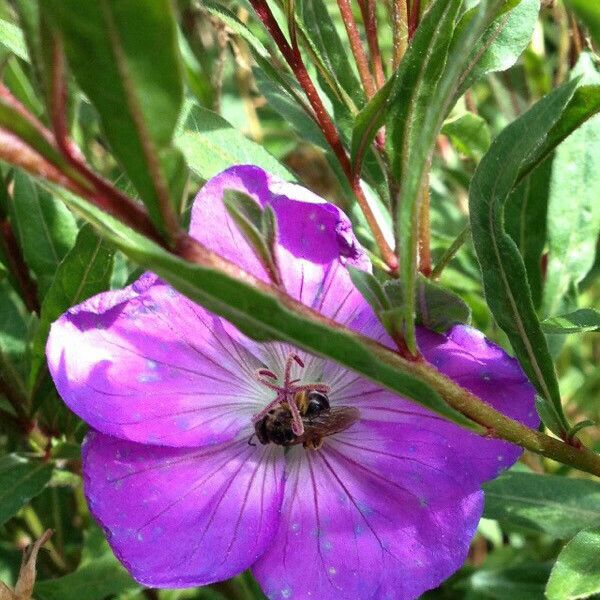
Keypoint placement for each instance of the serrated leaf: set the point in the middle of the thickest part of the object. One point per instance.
(124, 55)
(504, 276)
(85, 271)
(261, 314)
(210, 145)
(573, 207)
(556, 506)
(576, 573)
(98, 576)
(578, 321)
(20, 481)
(45, 228)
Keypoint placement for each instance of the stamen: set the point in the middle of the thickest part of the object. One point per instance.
(267, 373)
(286, 394)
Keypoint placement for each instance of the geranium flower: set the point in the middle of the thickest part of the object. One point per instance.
(176, 475)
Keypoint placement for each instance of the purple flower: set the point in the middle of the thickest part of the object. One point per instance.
(385, 508)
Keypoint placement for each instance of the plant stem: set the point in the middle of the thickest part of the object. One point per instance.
(425, 228)
(295, 62)
(451, 252)
(400, 30)
(356, 46)
(368, 11)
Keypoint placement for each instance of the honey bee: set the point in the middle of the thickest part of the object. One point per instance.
(318, 418)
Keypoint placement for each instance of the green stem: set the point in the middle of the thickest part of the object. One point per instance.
(450, 252)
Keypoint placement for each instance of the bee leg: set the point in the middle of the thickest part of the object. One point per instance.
(250, 442)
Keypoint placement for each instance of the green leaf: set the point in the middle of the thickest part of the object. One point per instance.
(12, 39)
(370, 288)
(573, 207)
(557, 506)
(263, 315)
(322, 33)
(98, 576)
(437, 308)
(504, 276)
(20, 481)
(584, 104)
(85, 271)
(124, 54)
(502, 43)
(210, 145)
(576, 573)
(470, 135)
(525, 217)
(426, 85)
(589, 13)
(511, 583)
(248, 217)
(578, 321)
(46, 229)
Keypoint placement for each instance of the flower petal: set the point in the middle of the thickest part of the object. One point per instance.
(410, 430)
(184, 517)
(148, 365)
(369, 535)
(315, 239)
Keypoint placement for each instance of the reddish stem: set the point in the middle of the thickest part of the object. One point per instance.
(18, 267)
(358, 51)
(296, 64)
(368, 11)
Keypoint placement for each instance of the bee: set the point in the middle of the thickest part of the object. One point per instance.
(318, 418)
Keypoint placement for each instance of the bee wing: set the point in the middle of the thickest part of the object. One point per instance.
(334, 420)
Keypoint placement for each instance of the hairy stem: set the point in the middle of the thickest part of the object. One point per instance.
(400, 29)
(368, 10)
(425, 229)
(356, 46)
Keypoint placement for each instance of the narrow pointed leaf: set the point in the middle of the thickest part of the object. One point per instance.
(124, 54)
(504, 276)
(46, 229)
(426, 82)
(578, 321)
